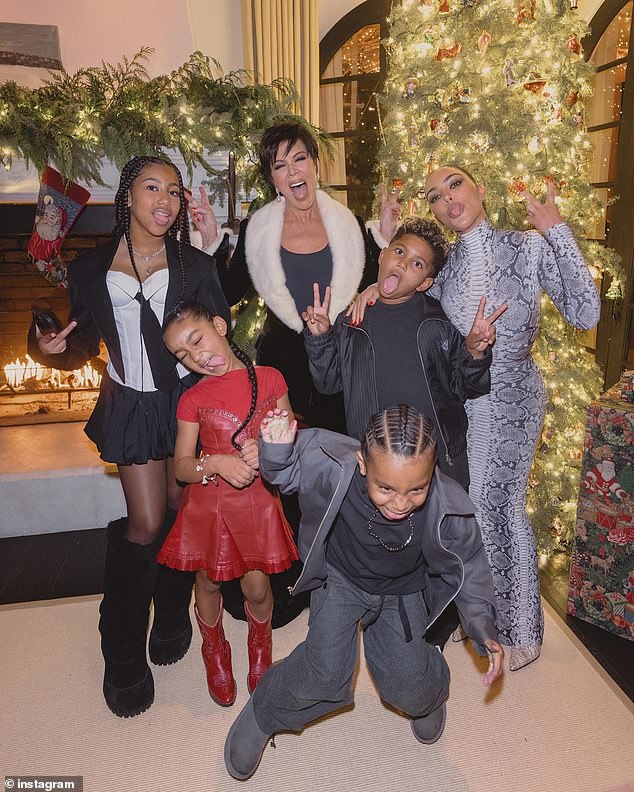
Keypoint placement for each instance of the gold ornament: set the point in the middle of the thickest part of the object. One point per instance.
(484, 41)
(479, 142)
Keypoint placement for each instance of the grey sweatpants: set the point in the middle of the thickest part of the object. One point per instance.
(316, 678)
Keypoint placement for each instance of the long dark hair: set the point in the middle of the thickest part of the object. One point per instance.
(401, 430)
(195, 310)
(178, 230)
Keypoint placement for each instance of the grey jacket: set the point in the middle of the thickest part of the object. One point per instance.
(320, 465)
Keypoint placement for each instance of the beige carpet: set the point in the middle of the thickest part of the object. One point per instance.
(556, 725)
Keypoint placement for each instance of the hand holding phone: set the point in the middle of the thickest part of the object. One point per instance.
(45, 320)
(51, 338)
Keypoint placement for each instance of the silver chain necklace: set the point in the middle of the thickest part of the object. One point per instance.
(389, 546)
(148, 269)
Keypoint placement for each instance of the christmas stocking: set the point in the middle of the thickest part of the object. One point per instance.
(58, 206)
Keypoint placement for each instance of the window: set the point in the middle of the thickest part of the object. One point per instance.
(352, 77)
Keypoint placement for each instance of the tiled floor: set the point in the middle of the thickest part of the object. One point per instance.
(70, 564)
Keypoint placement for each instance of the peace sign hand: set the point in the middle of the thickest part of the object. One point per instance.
(543, 215)
(482, 333)
(203, 216)
(316, 315)
(389, 212)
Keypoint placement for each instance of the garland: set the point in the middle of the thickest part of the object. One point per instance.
(117, 112)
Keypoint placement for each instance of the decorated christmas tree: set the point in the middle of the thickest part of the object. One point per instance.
(498, 87)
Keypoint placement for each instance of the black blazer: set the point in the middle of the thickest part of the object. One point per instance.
(91, 308)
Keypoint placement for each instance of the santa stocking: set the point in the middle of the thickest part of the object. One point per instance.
(58, 205)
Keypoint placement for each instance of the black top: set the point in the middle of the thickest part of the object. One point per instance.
(304, 269)
(361, 557)
(393, 329)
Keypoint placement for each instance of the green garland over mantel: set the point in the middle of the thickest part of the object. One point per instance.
(73, 122)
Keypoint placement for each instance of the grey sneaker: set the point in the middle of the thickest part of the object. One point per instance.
(245, 744)
(429, 728)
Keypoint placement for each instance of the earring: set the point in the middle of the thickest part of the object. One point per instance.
(279, 197)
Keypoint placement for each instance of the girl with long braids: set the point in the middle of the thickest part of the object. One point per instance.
(119, 293)
(230, 524)
(387, 543)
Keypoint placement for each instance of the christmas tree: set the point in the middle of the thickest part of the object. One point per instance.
(498, 87)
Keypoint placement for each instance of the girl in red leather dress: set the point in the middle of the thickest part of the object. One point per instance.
(230, 523)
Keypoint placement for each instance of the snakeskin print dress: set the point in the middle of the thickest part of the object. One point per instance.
(504, 426)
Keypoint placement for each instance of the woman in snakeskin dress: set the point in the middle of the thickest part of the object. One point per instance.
(510, 267)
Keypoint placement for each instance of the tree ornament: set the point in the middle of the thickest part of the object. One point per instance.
(574, 45)
(413, 136)
(509, 74)
(479, 142)
(556, 113)
(398, 184)
(410, 84)
(572, 98)
(536, 144)
(465, 96)
(439, 128)
(573, 5)
(448, 52)
(525, 13)
(535, 83)
(517, 186)
(443, 7)
(484, 41)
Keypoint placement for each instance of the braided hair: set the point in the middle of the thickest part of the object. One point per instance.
(178, 230)
(401, 430)
(197, 311)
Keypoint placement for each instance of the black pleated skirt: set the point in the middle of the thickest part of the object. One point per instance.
(130, 427)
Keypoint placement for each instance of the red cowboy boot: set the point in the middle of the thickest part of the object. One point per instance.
(216, 653)
(260, 644)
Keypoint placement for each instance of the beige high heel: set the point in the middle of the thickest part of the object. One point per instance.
(523, 655)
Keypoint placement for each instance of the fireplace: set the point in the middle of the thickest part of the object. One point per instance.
(31, 393)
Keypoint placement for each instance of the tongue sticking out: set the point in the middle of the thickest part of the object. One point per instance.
(390, 284)
(301, 191)
(215, 361)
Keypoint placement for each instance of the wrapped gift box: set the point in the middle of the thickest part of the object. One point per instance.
(601, 587)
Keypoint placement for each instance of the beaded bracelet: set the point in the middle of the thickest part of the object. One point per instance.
(200, 468)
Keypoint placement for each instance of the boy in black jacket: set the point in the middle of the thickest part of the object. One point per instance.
(405, 350)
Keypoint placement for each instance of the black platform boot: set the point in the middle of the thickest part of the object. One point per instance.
(130, 576)
(171, 632)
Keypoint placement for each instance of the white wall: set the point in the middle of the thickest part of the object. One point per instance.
(331, 11)
(94, 31)
(90, 32)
